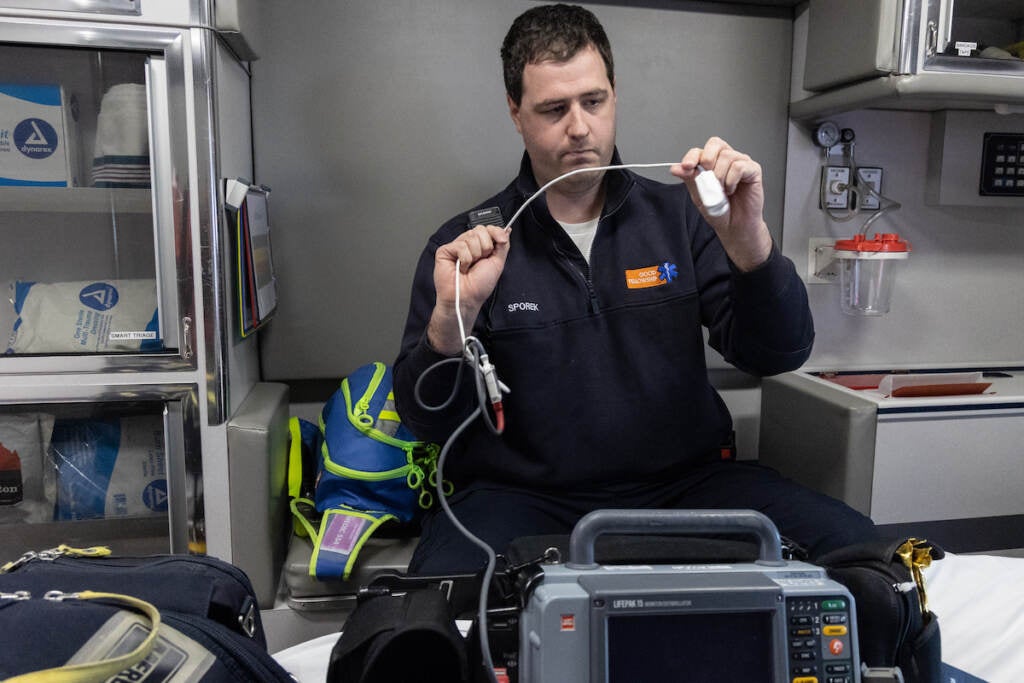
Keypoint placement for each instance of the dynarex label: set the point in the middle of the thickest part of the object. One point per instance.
(33, 144)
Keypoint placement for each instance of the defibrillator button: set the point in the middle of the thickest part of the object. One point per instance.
(833, 604)
(805, 679)
(834, 618)
(834, 630)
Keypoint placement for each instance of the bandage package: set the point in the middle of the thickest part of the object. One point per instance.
(37, 136)
(89, 316)
(110, 467)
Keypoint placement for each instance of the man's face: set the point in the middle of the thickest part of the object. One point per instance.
(567, 118)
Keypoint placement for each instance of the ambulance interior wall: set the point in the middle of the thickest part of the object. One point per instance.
(376, 122)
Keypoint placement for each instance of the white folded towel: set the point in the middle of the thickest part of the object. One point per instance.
(121, 157)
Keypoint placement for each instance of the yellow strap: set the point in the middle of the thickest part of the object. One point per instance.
(300, 523)
(295, 458)
(92, 551)
(916, 556)
(97, 672)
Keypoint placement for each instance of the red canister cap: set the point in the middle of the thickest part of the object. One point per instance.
(883, 242)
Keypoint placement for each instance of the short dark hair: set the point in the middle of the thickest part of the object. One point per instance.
(551, 32)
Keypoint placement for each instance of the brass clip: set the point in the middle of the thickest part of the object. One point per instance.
(916, 556)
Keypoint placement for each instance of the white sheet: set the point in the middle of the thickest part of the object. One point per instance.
(979, 600)
(308, 661)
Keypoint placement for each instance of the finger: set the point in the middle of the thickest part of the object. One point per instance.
(687, 166)
(715, 150)
(742, 169)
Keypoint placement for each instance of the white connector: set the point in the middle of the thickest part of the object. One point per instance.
(712, 196)
(491, 381)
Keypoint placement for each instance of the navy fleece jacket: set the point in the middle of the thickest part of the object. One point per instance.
(605, 361)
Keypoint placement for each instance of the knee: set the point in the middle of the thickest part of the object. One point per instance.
(847, 528)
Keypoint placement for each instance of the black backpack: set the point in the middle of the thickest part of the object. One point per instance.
(893, 621)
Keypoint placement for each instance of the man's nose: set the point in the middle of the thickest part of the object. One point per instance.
(577, 124)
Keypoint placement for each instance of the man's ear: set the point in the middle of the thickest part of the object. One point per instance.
(513, 110)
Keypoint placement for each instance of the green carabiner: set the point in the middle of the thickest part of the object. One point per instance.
(415, 477)
(446, 486)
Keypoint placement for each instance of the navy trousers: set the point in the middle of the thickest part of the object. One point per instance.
(498, 514)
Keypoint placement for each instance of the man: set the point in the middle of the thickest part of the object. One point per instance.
(591, 306)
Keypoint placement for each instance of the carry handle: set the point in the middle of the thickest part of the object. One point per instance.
(593, 524)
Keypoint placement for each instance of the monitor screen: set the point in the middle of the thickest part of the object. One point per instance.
(720, 646)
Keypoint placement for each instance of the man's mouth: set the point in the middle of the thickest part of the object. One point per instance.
(579, 155)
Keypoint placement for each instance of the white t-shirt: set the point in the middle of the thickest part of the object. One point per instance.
(582, 234)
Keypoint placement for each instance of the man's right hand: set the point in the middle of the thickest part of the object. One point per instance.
(480, 254)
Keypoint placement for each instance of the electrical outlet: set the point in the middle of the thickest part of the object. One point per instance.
(835, 192)
(872, 177)
(821, 266)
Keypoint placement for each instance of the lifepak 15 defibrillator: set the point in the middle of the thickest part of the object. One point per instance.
(766, 621)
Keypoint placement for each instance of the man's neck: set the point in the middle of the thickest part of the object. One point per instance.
(576, 207)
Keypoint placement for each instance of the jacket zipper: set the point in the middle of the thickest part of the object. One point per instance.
(584, 276)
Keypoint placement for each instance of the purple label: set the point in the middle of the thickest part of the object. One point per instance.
(343, 533)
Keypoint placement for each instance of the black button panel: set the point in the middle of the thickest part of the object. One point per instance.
(1002, 165)
(816, 648)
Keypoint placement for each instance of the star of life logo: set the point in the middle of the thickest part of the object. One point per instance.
(651, 276)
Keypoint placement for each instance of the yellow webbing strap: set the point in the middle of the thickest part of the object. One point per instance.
(916, 556)
(97, 672)
(294, 458)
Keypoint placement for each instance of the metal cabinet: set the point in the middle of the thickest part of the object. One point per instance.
(120, 370)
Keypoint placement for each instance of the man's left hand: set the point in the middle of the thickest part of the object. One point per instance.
(742, 229)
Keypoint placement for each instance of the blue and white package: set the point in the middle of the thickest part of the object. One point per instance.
(35, 127)
(90, 316)
(109, 467)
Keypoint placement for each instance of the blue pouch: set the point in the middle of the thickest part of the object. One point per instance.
(370, 469)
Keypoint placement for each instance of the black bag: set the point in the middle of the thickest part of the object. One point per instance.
(407, 638)
(210, 628)
(894, 624)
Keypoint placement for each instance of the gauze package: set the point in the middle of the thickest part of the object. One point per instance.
(89, 316)
(109, 467)
(37, 136)
(26, 472)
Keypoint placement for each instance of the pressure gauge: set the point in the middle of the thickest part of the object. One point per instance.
(827, 134)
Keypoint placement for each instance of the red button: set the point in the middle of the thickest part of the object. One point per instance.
(836, 646)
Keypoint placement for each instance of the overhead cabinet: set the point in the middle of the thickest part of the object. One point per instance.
(910, 54)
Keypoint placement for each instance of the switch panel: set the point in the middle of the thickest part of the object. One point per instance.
(835, 191)
(872, 177)
(1002, 165)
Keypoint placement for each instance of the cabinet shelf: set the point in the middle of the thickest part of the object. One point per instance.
(76, 200)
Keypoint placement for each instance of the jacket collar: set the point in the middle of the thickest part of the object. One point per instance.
(617, 184)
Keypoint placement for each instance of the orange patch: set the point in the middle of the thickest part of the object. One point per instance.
(639, 278)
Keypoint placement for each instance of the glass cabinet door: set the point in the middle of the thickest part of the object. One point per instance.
(122, 473)
(93, 221)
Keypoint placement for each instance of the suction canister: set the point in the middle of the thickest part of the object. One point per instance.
(866, 271)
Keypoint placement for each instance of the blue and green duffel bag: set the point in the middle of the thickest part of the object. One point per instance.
(370, 469)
